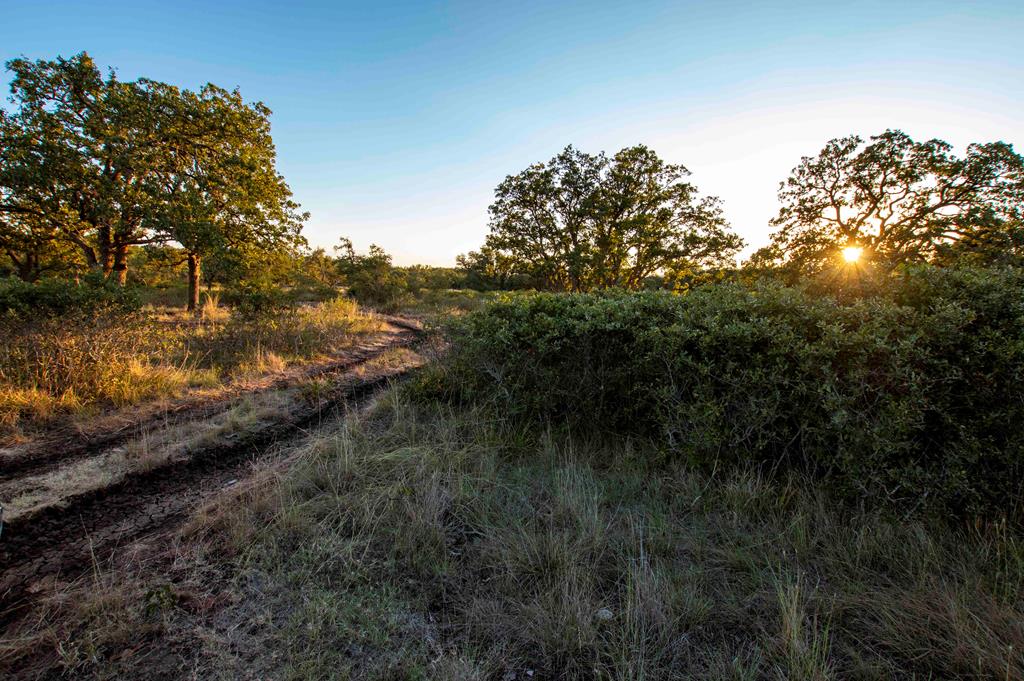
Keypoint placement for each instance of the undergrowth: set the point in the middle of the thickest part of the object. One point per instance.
(910, 396)
(57, 365)
(432, 543)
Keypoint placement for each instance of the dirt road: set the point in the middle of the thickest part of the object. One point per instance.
(193, 451)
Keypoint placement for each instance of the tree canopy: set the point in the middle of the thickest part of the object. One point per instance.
(106, 165)
(901, 201)
(583, 221)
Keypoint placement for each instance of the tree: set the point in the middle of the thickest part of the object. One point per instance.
(585, 221)
(901, 201)
(31, 248)
(82, 148)
(220, 185)
(108, 165)
(490, 270)
(370, 278)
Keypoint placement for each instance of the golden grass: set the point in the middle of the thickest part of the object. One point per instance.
(57, 366)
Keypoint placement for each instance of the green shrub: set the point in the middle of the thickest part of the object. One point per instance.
(53, 297)
(912, 395)
(255, 300)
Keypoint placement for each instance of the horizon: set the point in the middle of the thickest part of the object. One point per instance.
(394, 125)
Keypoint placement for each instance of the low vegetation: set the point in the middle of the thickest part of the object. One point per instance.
(89, 358)
(431, 542)
(901, 395)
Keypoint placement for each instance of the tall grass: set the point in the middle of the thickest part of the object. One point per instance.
(431, 543)
(55, 365)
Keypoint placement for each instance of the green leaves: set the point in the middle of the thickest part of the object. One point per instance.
(105, 165)
(582, 222)
(910, 394)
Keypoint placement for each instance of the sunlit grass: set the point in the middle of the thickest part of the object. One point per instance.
(56, 366)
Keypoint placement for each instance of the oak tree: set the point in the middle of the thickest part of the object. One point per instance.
(584, 221)
(901, 201)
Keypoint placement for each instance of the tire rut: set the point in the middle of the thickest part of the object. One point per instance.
(56, 451)
(66, 540)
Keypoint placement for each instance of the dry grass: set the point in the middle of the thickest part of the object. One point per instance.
(426, 541)
(59, 366)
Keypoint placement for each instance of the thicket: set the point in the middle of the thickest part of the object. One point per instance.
(54, 297)
(909, 395)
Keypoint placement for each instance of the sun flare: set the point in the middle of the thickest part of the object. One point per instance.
(852, 254)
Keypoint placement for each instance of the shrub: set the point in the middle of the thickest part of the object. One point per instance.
(911, 395)
(253, 300)
(53, 297)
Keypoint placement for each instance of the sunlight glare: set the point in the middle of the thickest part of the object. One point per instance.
(851, 254)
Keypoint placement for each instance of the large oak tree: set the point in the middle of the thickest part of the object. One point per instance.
(901, 201)
(584, 221)
(107, 165)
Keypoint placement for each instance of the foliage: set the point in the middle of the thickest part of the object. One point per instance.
(905, 395)
(488, 269)
(371, 279)
(104, 165)
(54, 297)
(255, 299)
(901, 200)
(425, 277)
(582, 222)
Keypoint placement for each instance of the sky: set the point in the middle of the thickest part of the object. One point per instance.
(395, 121)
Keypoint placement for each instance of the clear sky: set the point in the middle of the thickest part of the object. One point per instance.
(394, 121)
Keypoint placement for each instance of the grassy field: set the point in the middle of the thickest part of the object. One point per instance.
(430, 543)
(78, 364)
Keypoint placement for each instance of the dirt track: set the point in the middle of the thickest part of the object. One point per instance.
(68, 537)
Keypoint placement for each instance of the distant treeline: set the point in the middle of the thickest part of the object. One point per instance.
(142, 181)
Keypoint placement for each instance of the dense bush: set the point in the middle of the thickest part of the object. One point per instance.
(52, 297)
(254, 300)
(912, 394)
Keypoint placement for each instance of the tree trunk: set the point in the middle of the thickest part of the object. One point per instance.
(105, 259)
(195, 265)
(120, 267)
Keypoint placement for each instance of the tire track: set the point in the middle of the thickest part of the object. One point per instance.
(67, 539)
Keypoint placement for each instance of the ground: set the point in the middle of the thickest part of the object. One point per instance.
(336, 520)
(78, 501)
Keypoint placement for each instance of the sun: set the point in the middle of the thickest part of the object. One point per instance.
(852, 254)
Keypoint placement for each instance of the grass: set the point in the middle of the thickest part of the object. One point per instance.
(427, 543)
(54, 367)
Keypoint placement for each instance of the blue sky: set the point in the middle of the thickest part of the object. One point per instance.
(394, 121)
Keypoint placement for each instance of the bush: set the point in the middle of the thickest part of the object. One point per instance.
(912, 395)
(254, 300)
(54, 297)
